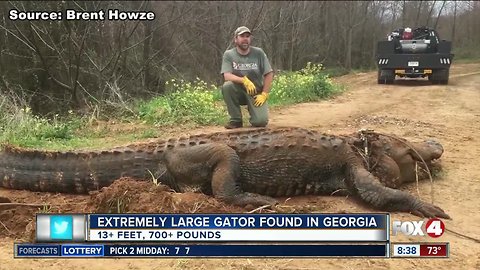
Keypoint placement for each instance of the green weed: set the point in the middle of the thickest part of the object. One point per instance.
(25, 129)
(306, 85)
(185, 102)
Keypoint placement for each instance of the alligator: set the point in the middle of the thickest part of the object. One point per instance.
(248, 166)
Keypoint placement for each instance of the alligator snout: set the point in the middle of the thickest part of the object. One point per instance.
(433, 150)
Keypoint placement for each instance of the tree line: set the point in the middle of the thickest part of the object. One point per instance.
(83, 65)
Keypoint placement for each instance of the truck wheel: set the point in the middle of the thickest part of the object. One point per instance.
(385, 76)
(444, 79)
(439, 76)
(380, 80)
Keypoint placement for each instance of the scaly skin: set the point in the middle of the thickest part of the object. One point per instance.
(245, 166)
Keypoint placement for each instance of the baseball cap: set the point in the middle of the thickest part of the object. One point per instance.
(242, 29)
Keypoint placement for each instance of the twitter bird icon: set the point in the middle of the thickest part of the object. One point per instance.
(61, 227)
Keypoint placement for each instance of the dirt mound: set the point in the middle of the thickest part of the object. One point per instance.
(18, 223)
(18, 209)
(129, 196)
(126, 195)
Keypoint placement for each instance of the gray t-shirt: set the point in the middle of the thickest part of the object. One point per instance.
(254, 65)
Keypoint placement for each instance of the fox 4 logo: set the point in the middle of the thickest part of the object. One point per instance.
(434, 228)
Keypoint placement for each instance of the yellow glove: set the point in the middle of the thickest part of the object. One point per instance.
(260, 99)
(249, 86)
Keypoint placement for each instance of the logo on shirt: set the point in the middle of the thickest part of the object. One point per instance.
(245, 66)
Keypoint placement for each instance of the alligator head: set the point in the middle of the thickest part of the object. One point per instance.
(395, 160)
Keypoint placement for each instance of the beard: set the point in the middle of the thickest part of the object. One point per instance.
(244, 46)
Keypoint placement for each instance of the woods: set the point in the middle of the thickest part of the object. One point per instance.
(54, 66)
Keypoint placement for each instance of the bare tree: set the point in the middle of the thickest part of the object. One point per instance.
(419, 9)
(432, 7)
(439, 13)
(452, 37)
(84, 64)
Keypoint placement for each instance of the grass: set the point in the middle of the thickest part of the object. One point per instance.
(185, 104)
(466, 54)
(336, 71)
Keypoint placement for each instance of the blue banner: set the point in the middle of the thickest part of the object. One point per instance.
(114, 251)
(238, 221)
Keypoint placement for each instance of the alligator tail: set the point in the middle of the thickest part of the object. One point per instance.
(74, 171)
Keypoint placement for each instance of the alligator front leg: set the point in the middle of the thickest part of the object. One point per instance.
(369, 190)
(215, 164)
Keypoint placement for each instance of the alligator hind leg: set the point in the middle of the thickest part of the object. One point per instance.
(215, 164)
(369, 190)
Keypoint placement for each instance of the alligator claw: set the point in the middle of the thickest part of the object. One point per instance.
(269, 201)
(430, 211)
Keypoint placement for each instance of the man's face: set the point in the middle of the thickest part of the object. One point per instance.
(243, 41)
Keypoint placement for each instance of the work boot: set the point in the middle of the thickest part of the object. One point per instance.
(232, 125)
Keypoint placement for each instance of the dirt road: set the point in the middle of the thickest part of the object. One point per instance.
(413, 109)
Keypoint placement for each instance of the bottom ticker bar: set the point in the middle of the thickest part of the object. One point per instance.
(118, 250)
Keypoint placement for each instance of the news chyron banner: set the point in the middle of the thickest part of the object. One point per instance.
(209, 235)
(238, 227)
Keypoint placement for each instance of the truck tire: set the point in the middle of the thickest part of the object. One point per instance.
(380, 80)
(444, 79)
(439, 76)
(385, 76)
